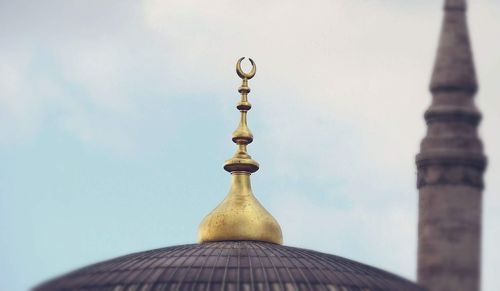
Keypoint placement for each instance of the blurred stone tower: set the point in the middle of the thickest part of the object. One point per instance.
(451, 165)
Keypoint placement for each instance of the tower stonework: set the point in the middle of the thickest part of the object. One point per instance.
(450, 166)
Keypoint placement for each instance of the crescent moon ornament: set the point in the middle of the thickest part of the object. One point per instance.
(242, 74)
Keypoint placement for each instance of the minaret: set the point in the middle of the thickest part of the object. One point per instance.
(240, 216)
(451, 166)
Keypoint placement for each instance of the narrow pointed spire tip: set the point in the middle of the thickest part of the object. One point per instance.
(454, 64)
(455, 5)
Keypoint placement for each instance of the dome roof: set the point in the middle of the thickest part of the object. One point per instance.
(229, 265)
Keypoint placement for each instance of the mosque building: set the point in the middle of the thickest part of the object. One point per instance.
(240, 242)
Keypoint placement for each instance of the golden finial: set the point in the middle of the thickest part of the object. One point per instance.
(240, 216)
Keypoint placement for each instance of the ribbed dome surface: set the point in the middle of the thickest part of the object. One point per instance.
(238, 265)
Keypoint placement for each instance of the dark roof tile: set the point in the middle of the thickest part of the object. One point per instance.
(228, 266)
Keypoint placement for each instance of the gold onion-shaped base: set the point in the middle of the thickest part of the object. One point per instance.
(240, 217)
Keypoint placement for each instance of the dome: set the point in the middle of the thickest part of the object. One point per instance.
(230, 265)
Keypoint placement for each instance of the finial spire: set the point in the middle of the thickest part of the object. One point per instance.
(242, 136)
(240, 216)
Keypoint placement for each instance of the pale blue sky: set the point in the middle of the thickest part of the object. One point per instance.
(116, 116)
